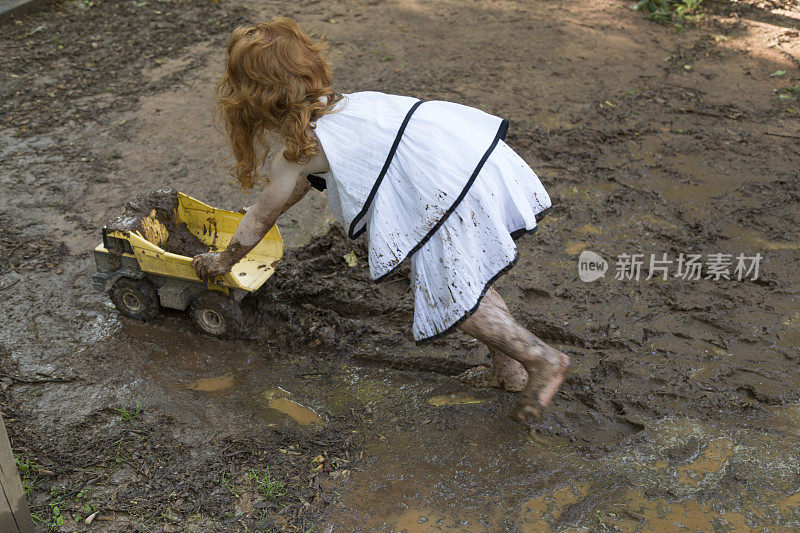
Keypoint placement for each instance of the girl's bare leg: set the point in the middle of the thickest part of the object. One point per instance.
(546, 367)
(506, 374)
(510, 373)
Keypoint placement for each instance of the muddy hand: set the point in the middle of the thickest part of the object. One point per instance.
(210, 264)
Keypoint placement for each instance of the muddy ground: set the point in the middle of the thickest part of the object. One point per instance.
(682, 412)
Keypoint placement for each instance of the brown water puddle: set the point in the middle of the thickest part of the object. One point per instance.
(483, 488)
(421, 474)
(277, 400)
(180, 361)
(427, 521)
(458, 398)
(642, 514)
(711, 461)
(215, 384)
(169, 349)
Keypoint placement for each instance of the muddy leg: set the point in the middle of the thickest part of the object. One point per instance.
(546, 367)
(506, 374)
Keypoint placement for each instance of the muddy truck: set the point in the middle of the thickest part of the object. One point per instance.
(144, 262)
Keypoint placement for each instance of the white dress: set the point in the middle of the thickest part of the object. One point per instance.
(435, 182)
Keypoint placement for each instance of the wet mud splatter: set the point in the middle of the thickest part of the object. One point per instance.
(158, 208)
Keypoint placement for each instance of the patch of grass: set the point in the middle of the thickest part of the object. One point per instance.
(56, 506)
(226, 481)
(27, 472)
(678, 12)
(38, 521)
(789, 93)
(86, 511)
(129, 415)
(119, 447)
(267, 487)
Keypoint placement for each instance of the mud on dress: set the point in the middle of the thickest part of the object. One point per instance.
(434, 182)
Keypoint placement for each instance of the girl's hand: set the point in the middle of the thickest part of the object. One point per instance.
(211, 264)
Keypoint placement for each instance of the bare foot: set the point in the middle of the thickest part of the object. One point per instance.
(541, 389)
(480, 377)
(509, 373)
(506, 374)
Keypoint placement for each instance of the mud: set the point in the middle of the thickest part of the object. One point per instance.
(161, 208)
(682, 410)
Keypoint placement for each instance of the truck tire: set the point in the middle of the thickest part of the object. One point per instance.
(217, 315)
(135, 298)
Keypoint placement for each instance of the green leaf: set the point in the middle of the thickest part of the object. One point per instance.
(777, 73)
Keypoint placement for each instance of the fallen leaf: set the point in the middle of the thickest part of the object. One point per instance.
(777, 73)
(350, 259)
(453, 399)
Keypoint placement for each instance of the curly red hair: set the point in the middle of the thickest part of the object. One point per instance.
(276, 80)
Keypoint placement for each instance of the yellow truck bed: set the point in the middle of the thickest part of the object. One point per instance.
(215, 227)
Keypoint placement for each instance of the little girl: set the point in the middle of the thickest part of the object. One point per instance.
(428, 181)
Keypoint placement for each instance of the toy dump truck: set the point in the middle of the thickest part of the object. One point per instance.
(141, 277)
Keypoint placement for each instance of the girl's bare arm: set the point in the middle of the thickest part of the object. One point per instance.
(286, 186)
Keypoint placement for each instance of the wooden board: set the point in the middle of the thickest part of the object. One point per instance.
(15, 8)
(14, 513)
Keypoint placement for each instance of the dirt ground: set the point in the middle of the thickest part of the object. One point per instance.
(682, 412)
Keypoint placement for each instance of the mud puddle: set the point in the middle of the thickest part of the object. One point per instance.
(441, 455)
(676, 474)
(681, 412)
(278, 399)
(214, 384)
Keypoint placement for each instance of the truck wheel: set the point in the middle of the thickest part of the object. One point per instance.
(135, 298)
(217, 315)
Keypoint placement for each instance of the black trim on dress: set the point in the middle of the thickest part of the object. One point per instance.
(501, 134)
(352, 233)
(516, 234)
